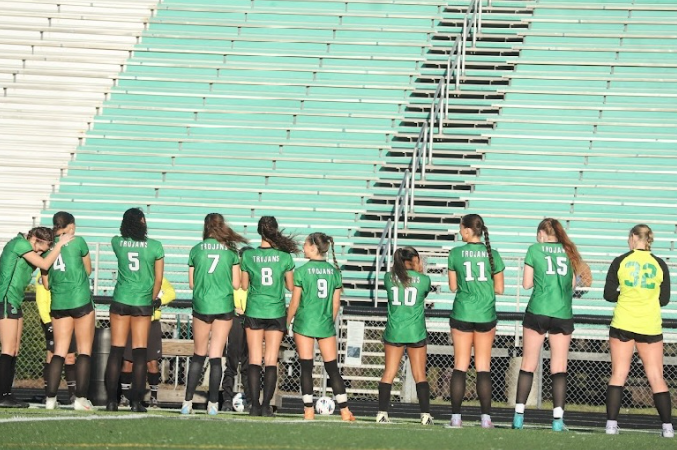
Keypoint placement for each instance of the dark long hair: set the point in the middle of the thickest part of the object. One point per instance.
(133, 225)
(216, 227)
(323, 242)
(42, 233)
(271, 233)
(61, 220)
(475, 223)
(398, 273)
(552, 227)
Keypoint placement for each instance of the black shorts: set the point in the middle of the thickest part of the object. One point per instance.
(279, 324)
(210, 318)
(627, 336)
(75, 313)
(419, 344)
(49, 339)
(125, 310)
(546, 324)
(154, 347)
(8, 311)
(469, 327)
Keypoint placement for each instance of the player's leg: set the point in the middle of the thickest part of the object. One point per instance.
(255, 345)
(393, 357)
(463, 342)
(48, 330)
(84, 338)
(70, 373)
(418, 358)
(63, 331)
(338, 386)
(219, 338)
(652, 359)
(10, 333)
(232, 354)
(153, 357)
(244, 367)
(273, 340)
(140, 326)
(154, 382)
(483, 343)
(621, 357)
(559, 358)
(305, 347)
(532, 342)
(119, 327)
(201, 330)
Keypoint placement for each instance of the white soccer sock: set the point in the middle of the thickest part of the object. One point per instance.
(557, 413)
(485, 418)
(519, 408)
(611, 423)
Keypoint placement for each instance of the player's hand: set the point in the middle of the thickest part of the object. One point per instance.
(50, 331)
(157, 303)
(239, 311)
(65, 239)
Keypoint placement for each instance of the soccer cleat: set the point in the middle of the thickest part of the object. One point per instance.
(558, 425)
(138, 407)
(8, 401)
(82, 404)
(612, 429)
(487, 423)
(255, 411)
(227, 406)
(124, 401)
(212, 408)
(426, 419)
(668, 431)
(71, 399)
(267, 411)
(455, 422)
(112, 406)
(187, 407)
(51, 403)
(347, 416)
(308, 413)
(382, 417)
(153, 403)
(518, 421)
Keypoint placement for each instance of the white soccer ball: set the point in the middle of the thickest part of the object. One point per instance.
(239, 402)
(325, 406)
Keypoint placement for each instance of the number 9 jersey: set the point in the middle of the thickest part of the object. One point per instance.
(318, 281)
(136, 270)
(406, 309)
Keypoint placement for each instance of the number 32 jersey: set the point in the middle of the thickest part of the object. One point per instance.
(406, 309)
(212, 264)
(136, 270)
(266, 268)
(315, 316)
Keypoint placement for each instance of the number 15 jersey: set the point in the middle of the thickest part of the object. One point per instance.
(136, 270)
(266, 268)
(406, 309)
(553, 281)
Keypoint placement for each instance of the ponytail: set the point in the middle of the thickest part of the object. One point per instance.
(644, 233)
(333, 253)
(323, 242)
(487, 244)
(215, 227)
(61, 220)
(269, 232)
(398, 273)
(553, 227)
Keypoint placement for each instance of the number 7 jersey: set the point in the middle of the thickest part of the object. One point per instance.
(406, 309)
(136, 270)
(212, 264)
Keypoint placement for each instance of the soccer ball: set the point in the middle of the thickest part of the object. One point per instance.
(239, 402)
(325, 406)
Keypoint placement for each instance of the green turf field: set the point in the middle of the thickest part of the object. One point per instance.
(65, 429)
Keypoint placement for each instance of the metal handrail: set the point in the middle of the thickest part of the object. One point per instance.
(423, 149)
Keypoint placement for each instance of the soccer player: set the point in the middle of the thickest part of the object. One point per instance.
(476, 275)
(639, 283)
(20, 256)
(314, 305)
(71, 311)
(43, 300)
(166, 295)
(407, 287)
(140, 269)
(550, 268)
(213, 274)
(266, 271)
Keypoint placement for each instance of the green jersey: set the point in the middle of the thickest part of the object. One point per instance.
(68, 279)
(315, 316)
(15, 272)
(406, 309)
(475, 299)
(212, 264)
(553, 278)
(266, 268)
(136, 270)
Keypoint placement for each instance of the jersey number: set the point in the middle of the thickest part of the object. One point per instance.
(215, 262)
(410, 295)
(133, 261)
(59, 264)
(648, 272)
(562, 267)
(322, 288)
(267, 276)
(468, 271)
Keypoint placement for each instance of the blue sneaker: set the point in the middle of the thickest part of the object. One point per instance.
(212, 408)
(558, 425)
(187, 407)
(518, 421)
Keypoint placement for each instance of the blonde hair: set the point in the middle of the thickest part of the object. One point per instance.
(644, 233)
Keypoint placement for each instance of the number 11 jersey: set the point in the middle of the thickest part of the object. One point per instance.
(266, 268)
(406, 309)
(136, 270)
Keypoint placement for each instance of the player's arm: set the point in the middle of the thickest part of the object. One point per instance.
(336, 302)
(294, 304)
(528, 277)
(237, 279)
(159, 273)
(45, 263)
(87, 262)
(664, 296)
(44, 275)
(453, 282)
(611, 292)
(289, 280)
(499, 283)
(191, 277)
(244, 280)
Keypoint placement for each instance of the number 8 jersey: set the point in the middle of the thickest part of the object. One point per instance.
(406, 306)
(136, 270)
(266, 267)
(553, 281)
(315, 316)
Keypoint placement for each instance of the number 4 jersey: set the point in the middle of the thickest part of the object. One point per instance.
(406, 309)
(266, 267)
(212, 264)
(553, 280)
(136, 270)
(315, 316)
(68, 280)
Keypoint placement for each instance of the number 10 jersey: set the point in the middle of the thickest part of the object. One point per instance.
(406, 309)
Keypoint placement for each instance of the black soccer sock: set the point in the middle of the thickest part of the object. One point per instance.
(457, 388)
(663, 405)
(215, 373)
(154, 384)
(255, 384)
(384, 390)
(423, 394)
(83, 366)
(113, 367)
(139, 370)
(524, 382)
(559, 389)
(337, 384)
(126, 384)
(5, 373)
(614, 395)
(69, 370)
(54, 375)
(269, 384)
(12, 369)
(197, 362)
(484, 391)
(45, 374)
(307, 382)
